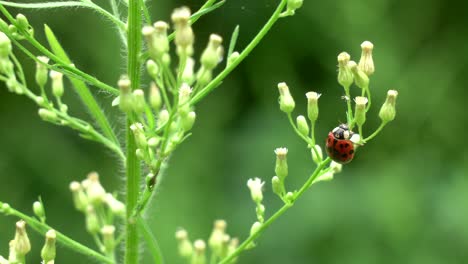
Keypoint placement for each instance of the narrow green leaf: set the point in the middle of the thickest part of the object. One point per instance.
(205, 11)
(232, 44)
(81, 88)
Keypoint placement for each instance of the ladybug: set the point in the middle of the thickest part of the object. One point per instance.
(340, 148)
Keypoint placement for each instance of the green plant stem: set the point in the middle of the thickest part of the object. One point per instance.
(133, 165)
(220, 77)
(368, 99)
(310, 142)
(151, 241)
(62, 67)
(42, 229)
(89, 4)
(278, 213)
(376, 132)
(348, 104)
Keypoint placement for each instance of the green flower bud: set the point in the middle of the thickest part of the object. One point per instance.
(345, 75)
(38, 209)
(277, 186)
(184, 36)
(57, 83)
(94, 189)
(163, 117)
(255, 228)
(3, 26)
(155, 97)
(92, 221)
(360, 112)
(366, 64)
(126, 97)
(22, 244)
(152, 69)
(260, 210)
(5, 208)
(140, 137)
(289, 197)
(281, 167)
(80, 199)
(184, 244)
(217, 235)
(188, 121)
(108, 238)
(48, 115)
(315, 152)
(139, 102)
(312, 106)
(41, 71)
(23, 22)
(199, 254)
(5, 45)
(154, 141)
(184, 98)
(255, 186)
(286, 101)
(188, 75)
(160, 40)
(360, 78)
(48, 251)
(327, 176)
(293, 5)
(302, 125)
(204, 76)
(210, 56)
(387, 112)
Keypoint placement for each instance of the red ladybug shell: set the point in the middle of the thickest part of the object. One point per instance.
(339, 149)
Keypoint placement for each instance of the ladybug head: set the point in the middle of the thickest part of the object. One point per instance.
(342, 132)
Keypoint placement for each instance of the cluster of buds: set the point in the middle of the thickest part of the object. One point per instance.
(220, 243)
(21, 245)
(18, 30)
(291, 7)
(281, 171)
(99, 208)
(7, 66)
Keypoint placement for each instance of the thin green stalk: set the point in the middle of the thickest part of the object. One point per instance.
(115, 11)
(368, 99)
(350, 109)
(310, 142)
(42, 229)
(376, 132)
(220, 77)
(62, 66)
(90, 5)
(151, 241)
(133, 165)
(276, 215)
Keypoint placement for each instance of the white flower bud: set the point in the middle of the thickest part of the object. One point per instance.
(38, 209)
(41, 71)
(199, 256)
(108, 238)
(317, 150)
(139, 133)
(22, 244)
(255, 186)
(92, 221)
(57, 83)
(345, 76)
(80, 199)
(360, 78)
(210, 56)
(116, 206)
(184, 36)
(281, 166)
(302, 125)
(366, 64)
(155, 97)
(184, 245)
(312, 106)
(286, 101)
(216, 238)
(48, 251)
(360, 112)
(139, 102)
(95, 191)
(387, 112)
(5, 45)
(48, 115)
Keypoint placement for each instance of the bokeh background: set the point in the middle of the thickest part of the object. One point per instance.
(404, 199)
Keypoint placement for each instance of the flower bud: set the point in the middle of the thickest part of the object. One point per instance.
(360, 112)
(387, 112)
(188, 73)
(23, 22)
(160, 40)
(286, 101)
(140, 137)
(345, 76)
(139, 103)
(48, 115)
(94, 190)
(57, 83)
(255, 186)
(292, 5)
(327, 176)
(108, 238)
(312, 106)
(41, 71)
(184, 245)
(233, 244)
(5, 46)
(360, 78)
(302, 125)
(163, 117)
(210, 56)
(336, 167)
(255, 228)
(155, 97)
(92, 221)
(48, 251)
(38, 209)
(22, 244)
(188, 121)
(126, 98)
(199, 256)
(154, 141)
(116, 206)
(233, 57)
(366, 64)
(289, 197)
(216, 238)
(315, 152)
(281, 167)
(277, 186)
(184, 98)
(184, 36)
(152, 69)
(80, 199)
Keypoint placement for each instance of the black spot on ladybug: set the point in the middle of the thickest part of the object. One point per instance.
(351, 152)
(335, 141)
(344, 155)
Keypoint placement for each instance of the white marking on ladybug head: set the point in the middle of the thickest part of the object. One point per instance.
(346, 134)
(335, 129)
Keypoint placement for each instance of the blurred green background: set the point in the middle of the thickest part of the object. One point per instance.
(402, 200)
